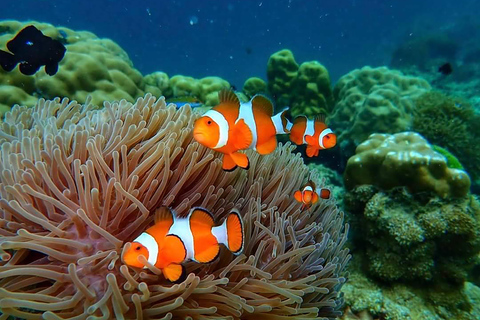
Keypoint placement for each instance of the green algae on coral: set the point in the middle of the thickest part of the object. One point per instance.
(452, 161)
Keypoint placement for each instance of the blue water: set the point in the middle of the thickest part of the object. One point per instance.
(233, 39)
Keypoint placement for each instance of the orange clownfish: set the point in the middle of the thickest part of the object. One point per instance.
(232, 126)
(173, 240)
(309, 194)
(314, 133)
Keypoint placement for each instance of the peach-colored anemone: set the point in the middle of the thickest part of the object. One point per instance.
(77, 183)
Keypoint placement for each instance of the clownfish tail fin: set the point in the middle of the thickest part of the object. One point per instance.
(230, 233)
(281, 123)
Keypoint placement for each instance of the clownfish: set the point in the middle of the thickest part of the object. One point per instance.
(314, 133)
(232, 126)
(173, 240)
(309, 194)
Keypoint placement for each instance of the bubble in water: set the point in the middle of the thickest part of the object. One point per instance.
(193, 20)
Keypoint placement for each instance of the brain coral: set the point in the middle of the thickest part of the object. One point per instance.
(404, 160)
(91, 66)
(77, 183)
(373, 100)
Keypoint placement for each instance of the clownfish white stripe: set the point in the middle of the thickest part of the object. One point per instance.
(151, 244)
(223, 127)
(246, 113)
(181, 228)
(278, 123)
(221, 233)
(322, 135)
(308, 188)
(309, 130)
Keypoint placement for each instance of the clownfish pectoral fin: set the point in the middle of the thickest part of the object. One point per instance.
(263, 104)
(298, 195)
(175, 273)
(312, 151)
(310, 140)
(234, 229)
(240, 160)
(314, 198)
(228, 96)
(267, 147)
(228, 163)
(242, 135)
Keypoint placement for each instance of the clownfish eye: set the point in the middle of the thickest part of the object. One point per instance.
(209, 122)
(137, 248)
(327, 137)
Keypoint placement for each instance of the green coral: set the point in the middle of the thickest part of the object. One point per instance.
(409, 238)
(254, 85)
(452, 161)
(451, 123)
(305, 88)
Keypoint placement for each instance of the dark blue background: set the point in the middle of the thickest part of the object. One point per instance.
(157, 35)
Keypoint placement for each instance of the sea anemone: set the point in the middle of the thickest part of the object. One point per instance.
(77, 183)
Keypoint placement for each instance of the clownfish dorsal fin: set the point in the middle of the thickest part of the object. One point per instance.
(242, 135)
(163, 214)
(320, 118)
(228, 96)
(263, 104)
(299, 119)
(202, 217)
(311, 184)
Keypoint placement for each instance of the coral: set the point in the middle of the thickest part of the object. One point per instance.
(409, 238)
(373, 100)
(452, 124)
(404, 160)
(306, 89)
(160, 81)
(206, 89)
(282, 69)
(91, 66)
(452, 161)
(254, 85)
(312, 94)
(77, 183)
(367, 299)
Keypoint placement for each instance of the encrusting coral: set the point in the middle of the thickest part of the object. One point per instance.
(76, 183)
(404, 159)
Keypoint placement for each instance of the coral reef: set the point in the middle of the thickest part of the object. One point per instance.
(452, 124)
(373, 100)
(306, 89)
(412, 254)
(91, 66)
(404, 160)
(77, 183)
(206, 89)
(254, 85)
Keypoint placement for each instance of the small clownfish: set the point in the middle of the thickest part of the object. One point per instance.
(308, 194)
(173, 240)
(232, 126)
(314, 133)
